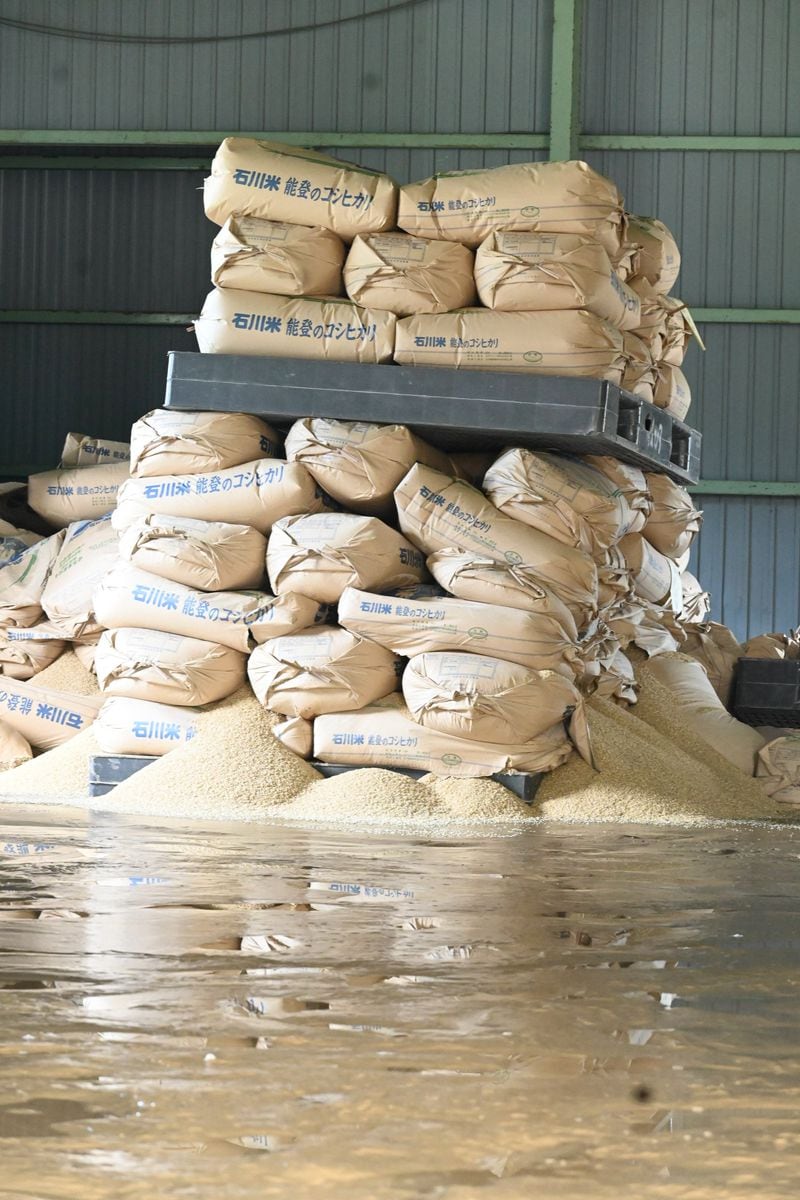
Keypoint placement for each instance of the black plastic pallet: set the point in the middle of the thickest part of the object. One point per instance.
(522, 784)
(453, 409)
(107, 770)
(766, 691)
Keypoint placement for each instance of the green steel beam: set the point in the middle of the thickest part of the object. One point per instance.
(42, 316)
(618, 141)
(565, 79)
(563, 90)
(172, 138)
(37, 316)
(106, 162)
(744, 487)
(747, 316)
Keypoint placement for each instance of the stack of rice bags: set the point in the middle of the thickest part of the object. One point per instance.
(515, 268)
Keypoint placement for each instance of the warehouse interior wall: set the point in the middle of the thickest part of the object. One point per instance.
(110, 114)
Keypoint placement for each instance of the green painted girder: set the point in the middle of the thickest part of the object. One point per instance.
(565, 79)
(39, 316)
(172, 138)
(746, 316)
(744, 487)
(620, 141)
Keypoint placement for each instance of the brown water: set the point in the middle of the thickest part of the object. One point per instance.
(567, 1012)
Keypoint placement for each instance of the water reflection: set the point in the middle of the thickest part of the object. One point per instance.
(570, 1012)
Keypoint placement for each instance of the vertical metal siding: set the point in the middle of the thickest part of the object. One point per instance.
(443, 65)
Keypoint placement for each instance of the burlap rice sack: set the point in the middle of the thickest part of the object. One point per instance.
(26, 652)
(76, 494)
(357, 463)
(543, 343)
(641, 370)
(470, 576)
(386, 735)
(486, 699)
(715, 647)
(126, 726)
(14, 750)
(630, 481)
(658, 258)
(437, 512)
(23, 580)
(88, 551)
(778, 769)
(696, 602)
(562, 496)
(85, 652)
(322, 554)
(13, 541)
(409, 275)
(170, 441)
(655, 577)
(256, 494)
(540, 640)
(666, 324)
(637, 622)
(545, 197)
(674, 521)
(129, 598)
(286, 183)
(209, 555)
(148, 665)
(773, 645)
(297, 735)
(672, 391)
(254, 255)
(616, 680)
(45, 718)
(236, 322)
(531, 272)
(702, 709)
(80, 450)
(321, 671)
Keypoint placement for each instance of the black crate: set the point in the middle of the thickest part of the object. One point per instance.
(766, 691)
(107, 770)
(453, 409)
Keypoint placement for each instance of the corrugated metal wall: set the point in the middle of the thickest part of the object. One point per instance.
(138, 240)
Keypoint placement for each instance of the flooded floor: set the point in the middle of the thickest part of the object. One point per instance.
(241, 1011)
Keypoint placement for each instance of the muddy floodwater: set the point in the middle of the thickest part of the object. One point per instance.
(241, 1011)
